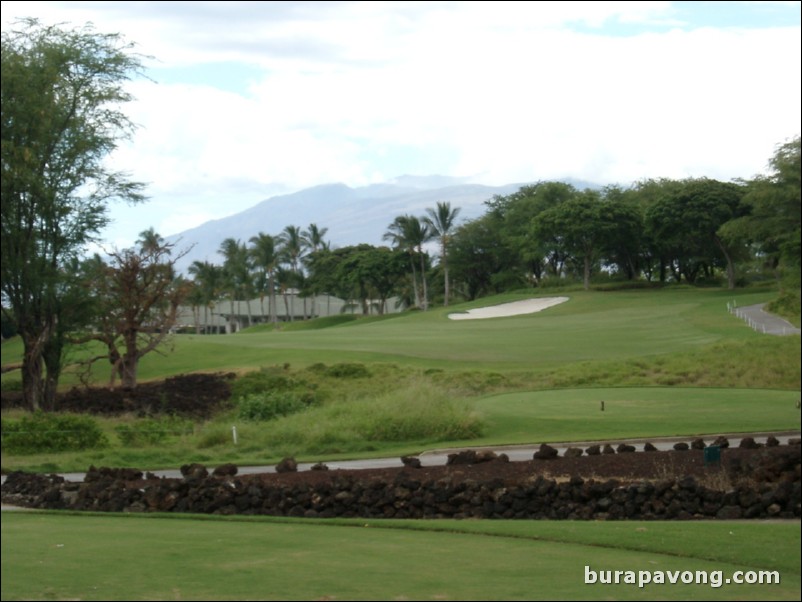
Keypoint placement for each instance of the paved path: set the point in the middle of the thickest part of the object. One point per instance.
(764, 322)
(439, 457)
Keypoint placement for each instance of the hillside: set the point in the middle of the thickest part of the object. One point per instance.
(352, 215)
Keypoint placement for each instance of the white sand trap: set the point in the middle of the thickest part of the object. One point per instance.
(516, 308)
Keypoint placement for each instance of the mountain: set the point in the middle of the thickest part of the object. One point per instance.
(352, 215)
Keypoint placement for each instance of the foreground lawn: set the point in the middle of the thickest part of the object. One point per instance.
(124, 557)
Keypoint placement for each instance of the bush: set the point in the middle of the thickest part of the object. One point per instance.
(346, 370)
(267, 380)
(260, 407)
(154, 431)
(40, 432)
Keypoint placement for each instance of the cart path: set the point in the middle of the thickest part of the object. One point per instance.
(764, 322)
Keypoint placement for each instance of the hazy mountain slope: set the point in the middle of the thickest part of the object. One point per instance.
(352, 215)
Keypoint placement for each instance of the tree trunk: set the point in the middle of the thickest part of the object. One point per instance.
(445, 272)
(130, 362)
(414, 281)
(32, 381)
(273, 308)
(730, 264)
(423, 280)
(586, 278)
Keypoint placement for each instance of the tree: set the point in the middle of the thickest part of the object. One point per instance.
(137, 295)
(313, 242)
(409, 233)
(441, 222)
(209, 280)
(773, 221)
(358, 273)
(265, 258)
(236, 273)
(688, 220)
(292, 249)
(61, 97)
(481, 262)
(516, 213)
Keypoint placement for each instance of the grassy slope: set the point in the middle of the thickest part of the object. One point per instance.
(591, 327)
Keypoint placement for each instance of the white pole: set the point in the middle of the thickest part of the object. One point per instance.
(234, 434)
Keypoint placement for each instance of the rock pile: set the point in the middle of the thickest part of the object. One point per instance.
(765, 485)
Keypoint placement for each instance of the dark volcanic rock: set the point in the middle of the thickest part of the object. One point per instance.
(225, 470)
(546, 452)
(287, 465)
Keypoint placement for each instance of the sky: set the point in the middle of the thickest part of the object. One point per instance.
(247, 100)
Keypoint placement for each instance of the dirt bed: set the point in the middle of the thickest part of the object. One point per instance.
(191, 395)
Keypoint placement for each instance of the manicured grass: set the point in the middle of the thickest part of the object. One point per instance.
(48, 556)
(590, 327)
(576, 415)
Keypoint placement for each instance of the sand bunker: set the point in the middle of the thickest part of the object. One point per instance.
(516, 308)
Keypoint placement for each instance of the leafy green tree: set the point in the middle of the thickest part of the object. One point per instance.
(359, 273)
(773, 221)
(625, 248)
(656, 255)
(531, 254)
(582, 226)
(688, 220)
(481, 261)
(61, 97)
(441, 222)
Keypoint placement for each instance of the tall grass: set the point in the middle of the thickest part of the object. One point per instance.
(417, 412)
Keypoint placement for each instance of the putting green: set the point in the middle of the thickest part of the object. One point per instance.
(576, 414)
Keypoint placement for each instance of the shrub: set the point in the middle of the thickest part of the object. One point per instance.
(40, 432)
(266, 380)
(153, 431)
(215, 436)
(348, 370)
(259, 407)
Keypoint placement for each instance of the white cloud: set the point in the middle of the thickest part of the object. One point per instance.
(501, 92)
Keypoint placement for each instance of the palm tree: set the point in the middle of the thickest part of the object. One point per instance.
(150, 241)
(209, 278)
(441, 221)
(264, 255)
(235, 268)
(410, 233)
(313, 241)
(313, 238)
(292, 248)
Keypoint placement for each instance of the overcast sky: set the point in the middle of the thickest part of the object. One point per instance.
(253, 99)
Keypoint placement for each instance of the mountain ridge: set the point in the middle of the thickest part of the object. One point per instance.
(352, 215)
